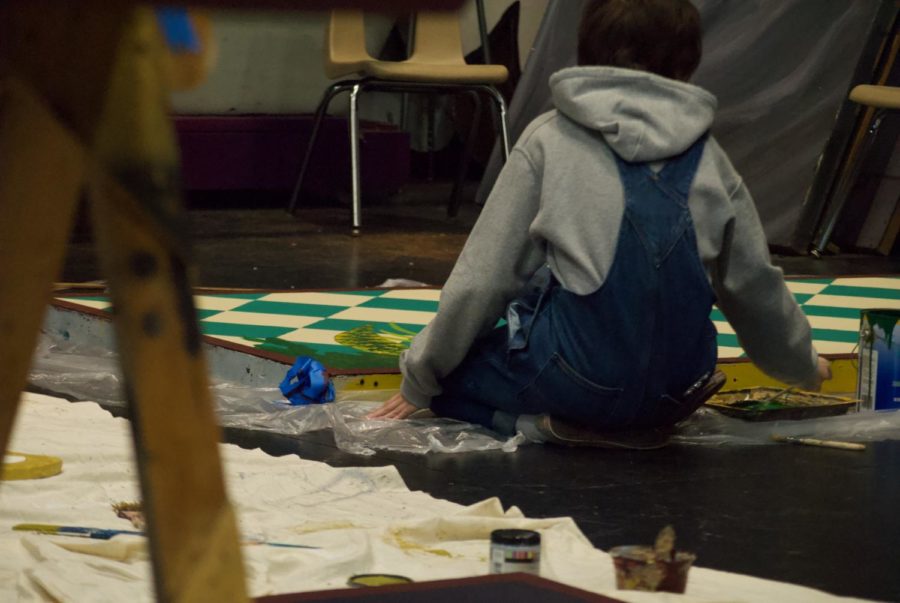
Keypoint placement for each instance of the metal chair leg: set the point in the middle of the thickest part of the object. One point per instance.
(455, 196)
(354, 156)
(500, 104)
(430, 114)
(321, 112)
(356, 87)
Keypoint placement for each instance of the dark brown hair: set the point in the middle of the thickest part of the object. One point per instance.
(660, 36)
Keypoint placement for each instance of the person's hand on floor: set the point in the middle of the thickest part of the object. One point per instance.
(395, 408)
(823, 373)
(824, 369)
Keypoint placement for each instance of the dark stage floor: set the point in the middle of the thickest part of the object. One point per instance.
(409, 238)
(825, 518)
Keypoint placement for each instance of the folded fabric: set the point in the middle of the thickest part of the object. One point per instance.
(307, 382)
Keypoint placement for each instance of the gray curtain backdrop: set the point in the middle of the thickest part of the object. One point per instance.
(780, 68)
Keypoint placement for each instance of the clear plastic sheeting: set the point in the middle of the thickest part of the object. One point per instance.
(709, 427)
(89, 373)
(354, 433)
(261, 409)
(78, 372)
(84, 373)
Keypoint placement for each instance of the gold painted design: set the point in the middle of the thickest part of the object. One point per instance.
(384, 342)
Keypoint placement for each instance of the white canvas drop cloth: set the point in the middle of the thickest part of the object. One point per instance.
(364, 520)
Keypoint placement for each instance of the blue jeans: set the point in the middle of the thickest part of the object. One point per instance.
(616, 359)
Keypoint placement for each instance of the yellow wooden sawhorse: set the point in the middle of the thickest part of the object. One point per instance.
(83, 112)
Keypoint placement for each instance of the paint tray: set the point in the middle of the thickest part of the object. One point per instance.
(776, 404)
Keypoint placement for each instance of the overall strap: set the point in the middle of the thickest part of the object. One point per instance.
(679, 171)
(656, 203)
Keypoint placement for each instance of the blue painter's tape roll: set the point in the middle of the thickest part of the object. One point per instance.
(307, 382)
(178, 30)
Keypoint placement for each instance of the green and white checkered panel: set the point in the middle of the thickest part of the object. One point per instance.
(368, 329)
(832, 306)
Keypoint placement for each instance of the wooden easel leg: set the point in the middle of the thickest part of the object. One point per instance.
(101, 70)
(135, 201)
(41, 175)
(194, 540)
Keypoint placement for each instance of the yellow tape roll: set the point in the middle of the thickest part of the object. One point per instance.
(17, 465)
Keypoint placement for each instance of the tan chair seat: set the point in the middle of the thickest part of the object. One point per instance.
(338, 69)
(883, 97)
(450, 73)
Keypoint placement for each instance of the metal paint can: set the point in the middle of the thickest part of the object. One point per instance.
(878, 385)
(515, 551)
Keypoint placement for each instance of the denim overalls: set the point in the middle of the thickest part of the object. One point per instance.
(619, 358)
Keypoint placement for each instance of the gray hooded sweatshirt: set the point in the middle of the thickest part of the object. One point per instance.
(559, 201)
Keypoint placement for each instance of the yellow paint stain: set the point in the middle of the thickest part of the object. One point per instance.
(325, 526)
(408, 545)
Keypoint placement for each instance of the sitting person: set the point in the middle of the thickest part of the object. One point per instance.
(613, 228)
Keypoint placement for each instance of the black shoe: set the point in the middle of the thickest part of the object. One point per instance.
(702, 391)
(422, 413)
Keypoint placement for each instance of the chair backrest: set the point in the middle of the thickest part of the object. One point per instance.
(437, 41)
(345, 43)
(438, 38)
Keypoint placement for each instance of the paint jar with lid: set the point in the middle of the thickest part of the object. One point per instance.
(515, 551)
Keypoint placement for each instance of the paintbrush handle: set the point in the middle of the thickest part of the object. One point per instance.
(254, 539)
(831, 444)
(104, 534)
(54, 530)
(288, 546)
(821, 443)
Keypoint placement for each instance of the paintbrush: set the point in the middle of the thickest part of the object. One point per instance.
(54, 530)
(105, 534)
(817, 442)
(664, 547)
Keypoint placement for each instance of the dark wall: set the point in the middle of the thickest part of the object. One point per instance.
(781, 70)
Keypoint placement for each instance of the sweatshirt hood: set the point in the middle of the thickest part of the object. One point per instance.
(642, 116)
